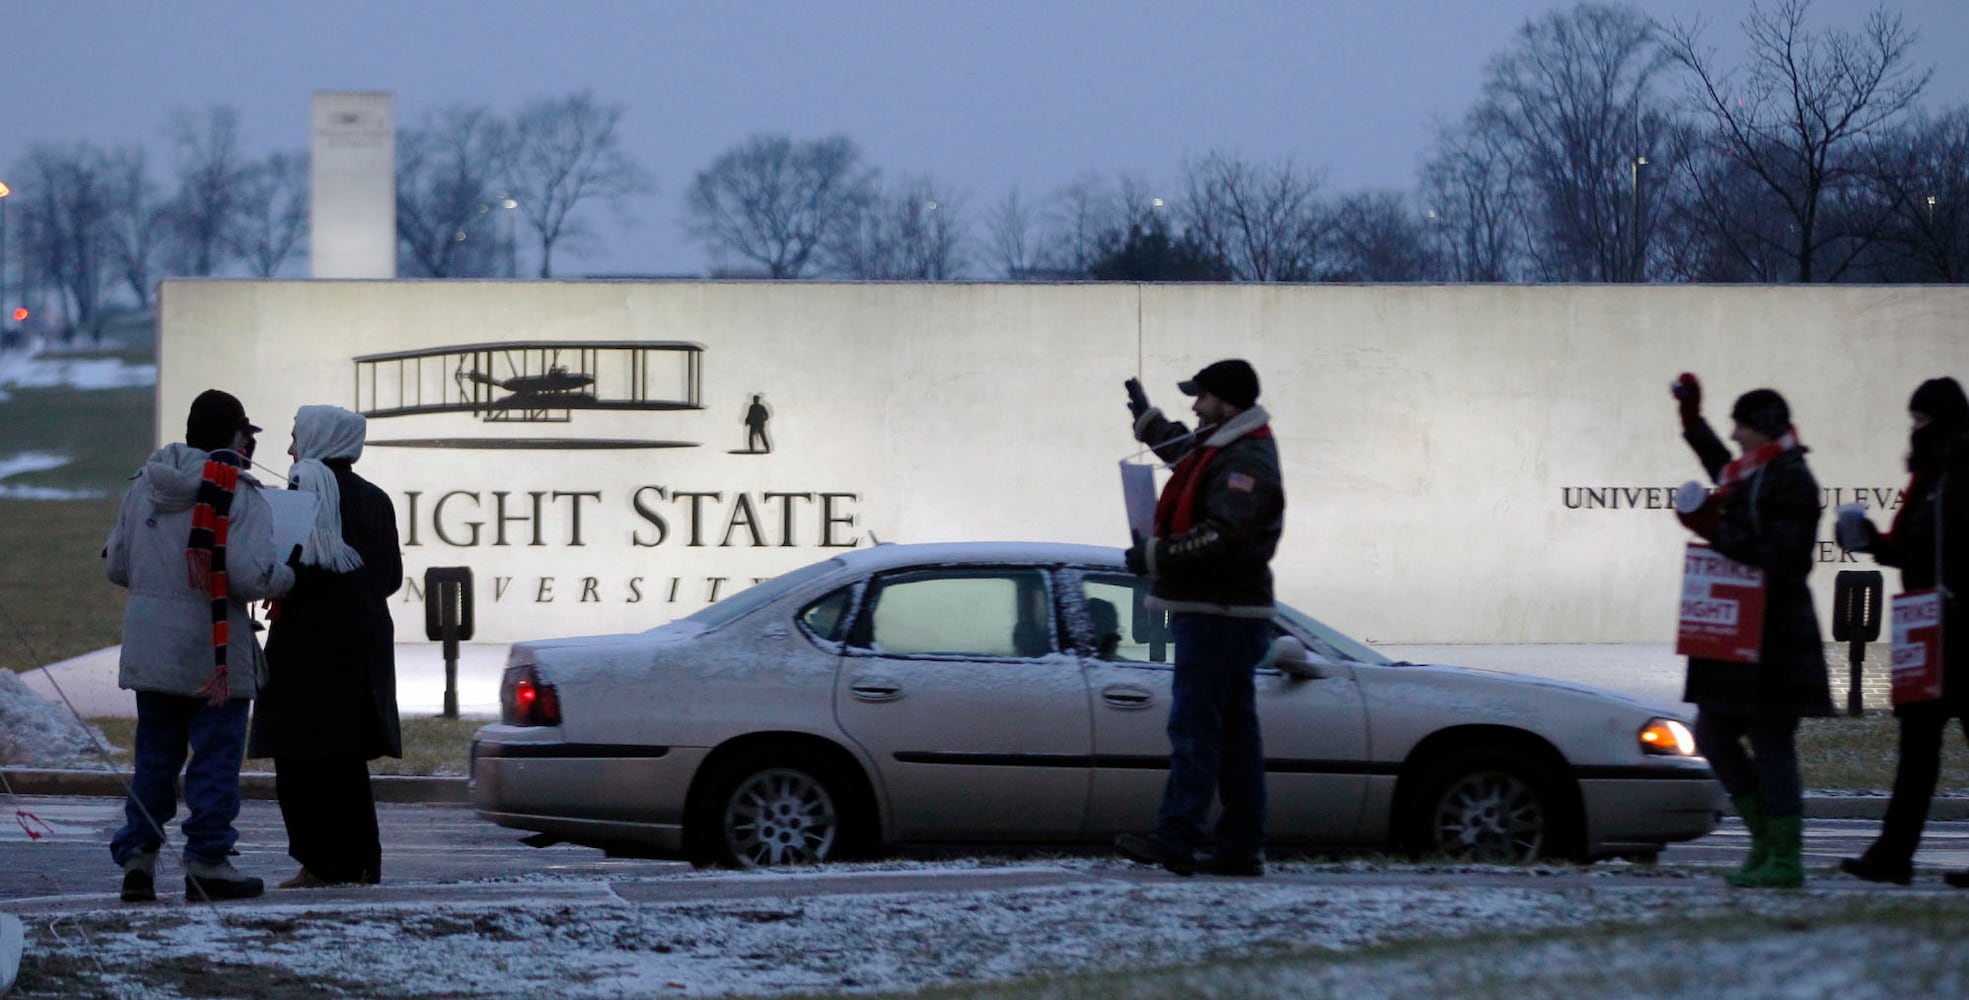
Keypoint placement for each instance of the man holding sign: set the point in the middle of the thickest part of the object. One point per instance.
(1929, 541)
(1756, 664)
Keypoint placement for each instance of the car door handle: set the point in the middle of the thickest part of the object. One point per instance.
(1127, 696)
(875, 689)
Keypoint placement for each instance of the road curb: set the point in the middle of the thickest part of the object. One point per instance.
(456, 791)
(252, 785)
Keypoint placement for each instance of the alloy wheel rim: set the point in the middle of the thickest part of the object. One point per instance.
(1490, 816)
(780, 816)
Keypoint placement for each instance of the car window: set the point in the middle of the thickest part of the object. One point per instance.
(989, 613)
(823, 618)
(759, 595)
(1119, 624)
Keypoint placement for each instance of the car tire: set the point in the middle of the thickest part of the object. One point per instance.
(763, 812)
(1489, 806)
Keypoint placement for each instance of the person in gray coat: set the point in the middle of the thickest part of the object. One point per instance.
(194, 544)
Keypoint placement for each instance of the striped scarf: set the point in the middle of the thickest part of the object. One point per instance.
(205, 558)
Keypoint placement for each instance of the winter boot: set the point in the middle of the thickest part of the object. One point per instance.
(140, 877)
(1750, 807)
(1784, 868)
(209, 883)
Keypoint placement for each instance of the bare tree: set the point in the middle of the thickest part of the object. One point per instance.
(1089, 217)
(1794, 119)
(559, 153)
(139, 224)
(913, 232)
(775, 202)
(1920, 173)
(1375, 236)
(453, 219)
(1265, 221)
(65, 226)
(273, 212)
(211, 168)
(1575, 105)
(1012, 229)
(1473, 218)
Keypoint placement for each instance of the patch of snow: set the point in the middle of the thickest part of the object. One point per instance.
(37, 371)
(37, 461)
(37, 732)
(869, 942)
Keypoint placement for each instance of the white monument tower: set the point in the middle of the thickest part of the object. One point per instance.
(353, 213)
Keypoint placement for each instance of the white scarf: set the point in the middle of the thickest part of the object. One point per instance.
(322, 433)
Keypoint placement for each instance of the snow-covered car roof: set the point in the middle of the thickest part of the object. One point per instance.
(891, 555)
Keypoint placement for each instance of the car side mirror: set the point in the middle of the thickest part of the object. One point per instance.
(1293, 659)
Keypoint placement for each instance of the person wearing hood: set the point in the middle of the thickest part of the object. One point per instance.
(194, 545)
(1763, 513)
(1929, 542)
(330, 704)
(1217, 524)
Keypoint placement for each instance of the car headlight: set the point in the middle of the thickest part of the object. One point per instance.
(1667, 737)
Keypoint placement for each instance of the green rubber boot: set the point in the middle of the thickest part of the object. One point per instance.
(1750, 808)
(1784, 868)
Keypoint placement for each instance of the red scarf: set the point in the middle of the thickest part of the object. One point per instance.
(205, 558)
(1175, 510)
(1754, 460)
(1914, 487)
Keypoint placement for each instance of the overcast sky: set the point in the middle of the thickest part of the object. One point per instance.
(980, 94)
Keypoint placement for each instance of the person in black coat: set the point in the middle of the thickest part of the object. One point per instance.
(1765, 514)
(1929, 542)
(330, 703)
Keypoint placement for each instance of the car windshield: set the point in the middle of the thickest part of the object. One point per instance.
(759, 595)
(1325, 634)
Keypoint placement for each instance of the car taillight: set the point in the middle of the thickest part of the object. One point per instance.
(534, 702)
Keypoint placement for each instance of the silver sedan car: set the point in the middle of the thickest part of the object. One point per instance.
(1017, 693)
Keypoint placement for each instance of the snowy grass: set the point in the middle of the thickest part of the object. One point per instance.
(1310, 931)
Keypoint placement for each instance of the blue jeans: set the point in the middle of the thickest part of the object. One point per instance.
(168, 724)
(1214, 745)
(1770, 767)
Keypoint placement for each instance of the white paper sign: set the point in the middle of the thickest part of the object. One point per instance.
(1138, 493)
(293, 518)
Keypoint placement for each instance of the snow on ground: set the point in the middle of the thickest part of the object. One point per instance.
(37, 461)
(33, 370)
(38, 732)
(595, 945)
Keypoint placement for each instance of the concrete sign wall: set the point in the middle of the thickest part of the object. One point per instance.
(1464, 464)
(352, 188)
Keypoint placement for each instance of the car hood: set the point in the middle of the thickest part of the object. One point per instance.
(1548, 683)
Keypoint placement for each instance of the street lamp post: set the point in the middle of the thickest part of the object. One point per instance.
(4, 192)
(1640, 247)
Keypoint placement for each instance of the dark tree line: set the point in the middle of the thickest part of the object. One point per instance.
(1604, 146)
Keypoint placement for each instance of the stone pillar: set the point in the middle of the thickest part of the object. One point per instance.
(352, 186)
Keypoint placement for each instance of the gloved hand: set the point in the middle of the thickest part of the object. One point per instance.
(1851, 529)
(1688, 394)
(294, 558)
(1138, 401)
(1689, 497)
(1138, 557)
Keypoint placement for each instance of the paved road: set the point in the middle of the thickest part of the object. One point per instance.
(432, 845)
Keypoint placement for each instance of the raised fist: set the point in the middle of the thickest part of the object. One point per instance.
(1138, 401)
(1688, 393)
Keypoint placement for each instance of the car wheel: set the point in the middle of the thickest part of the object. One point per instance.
(776, 814)
(1490, 807)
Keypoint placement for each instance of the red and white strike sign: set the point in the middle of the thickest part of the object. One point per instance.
(1917, 646)
(1722, 607)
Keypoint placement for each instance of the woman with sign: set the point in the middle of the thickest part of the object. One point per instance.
(330, 705)
(1764, 516)
(1929, 542)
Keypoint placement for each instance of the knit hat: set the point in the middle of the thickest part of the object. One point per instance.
(1231, 380)
(1942, 402)
(1763, 411)
(215, 417)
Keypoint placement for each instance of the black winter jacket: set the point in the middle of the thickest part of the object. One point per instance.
(331, 655)
(1769, 520)
(1941, 501)
(1221, 565)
